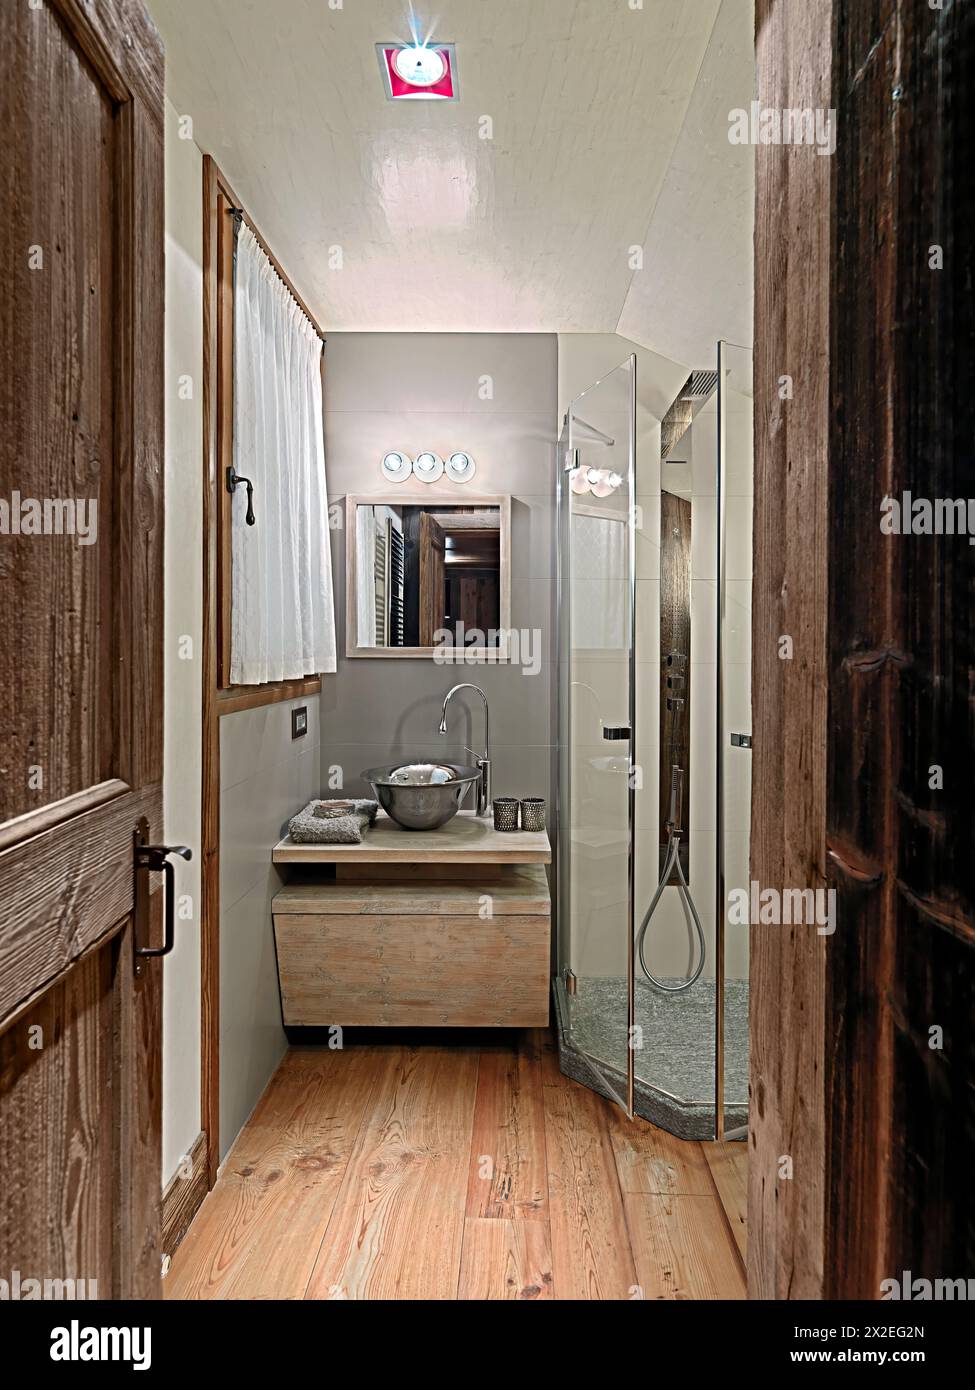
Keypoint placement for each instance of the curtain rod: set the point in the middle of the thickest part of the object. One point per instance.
(239, 215)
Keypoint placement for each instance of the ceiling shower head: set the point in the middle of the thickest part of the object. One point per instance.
(699, 386)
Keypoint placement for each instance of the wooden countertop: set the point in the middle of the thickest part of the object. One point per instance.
(463, 840)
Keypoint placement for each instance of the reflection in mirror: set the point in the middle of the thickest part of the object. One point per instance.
(428, 575)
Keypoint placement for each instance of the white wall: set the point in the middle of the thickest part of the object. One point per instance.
(264, 776)
(183, 643)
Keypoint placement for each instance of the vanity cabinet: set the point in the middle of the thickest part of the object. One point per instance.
(453, 931)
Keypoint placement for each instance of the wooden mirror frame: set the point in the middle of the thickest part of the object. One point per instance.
(401, 498)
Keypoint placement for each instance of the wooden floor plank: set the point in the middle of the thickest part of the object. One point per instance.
(258, 1233)
(506, 1260)
(682, 1248)
(508, 1177)
(398, 1223)
(651, 1160)
(729, 1169)
(591, 1256)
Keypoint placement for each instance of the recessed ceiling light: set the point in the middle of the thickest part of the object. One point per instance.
(418, 71)
(420, 66)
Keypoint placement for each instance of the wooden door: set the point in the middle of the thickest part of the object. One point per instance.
(81, 474)
(431, 579)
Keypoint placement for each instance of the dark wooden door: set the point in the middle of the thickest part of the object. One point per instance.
(432, 604)
(81, 473)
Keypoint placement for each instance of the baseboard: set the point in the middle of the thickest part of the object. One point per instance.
(182, 1197)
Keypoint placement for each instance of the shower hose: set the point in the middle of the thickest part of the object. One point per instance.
(690, 916)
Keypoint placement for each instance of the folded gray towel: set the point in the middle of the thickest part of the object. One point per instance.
(307, 828)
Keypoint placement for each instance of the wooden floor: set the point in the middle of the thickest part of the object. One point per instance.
(460, 1172)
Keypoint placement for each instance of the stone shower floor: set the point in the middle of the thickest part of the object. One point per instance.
(674, 1084)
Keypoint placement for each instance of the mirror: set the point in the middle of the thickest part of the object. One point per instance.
(424, 576)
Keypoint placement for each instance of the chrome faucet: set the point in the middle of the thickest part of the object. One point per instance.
(483, 762)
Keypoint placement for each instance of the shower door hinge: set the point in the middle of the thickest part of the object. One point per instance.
(570, 981)
(741, 740)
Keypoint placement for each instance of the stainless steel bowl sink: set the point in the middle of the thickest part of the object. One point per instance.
(421, 795)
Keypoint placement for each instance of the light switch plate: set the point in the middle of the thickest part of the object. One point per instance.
(299, 722)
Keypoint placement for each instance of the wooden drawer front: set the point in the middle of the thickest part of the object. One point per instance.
(402, 971)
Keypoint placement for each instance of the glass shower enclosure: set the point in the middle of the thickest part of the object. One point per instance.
(654, 736)
(596, 813)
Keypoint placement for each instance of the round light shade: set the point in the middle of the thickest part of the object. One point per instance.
(461, 468)
(419, 66)
(397, 467)
(428, 467)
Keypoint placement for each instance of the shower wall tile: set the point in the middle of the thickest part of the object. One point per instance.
(738, 445)
(704, 539)
(648, 538)
(738, 539)
(703, 449)
(648, 621)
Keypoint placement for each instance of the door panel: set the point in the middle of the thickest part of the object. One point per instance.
(432, 603)
(58, 1166)
(81, 387)
(59, 220)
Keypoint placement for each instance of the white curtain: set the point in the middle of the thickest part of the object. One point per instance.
(283, 615)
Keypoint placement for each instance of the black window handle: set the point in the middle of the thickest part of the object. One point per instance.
(233, 478)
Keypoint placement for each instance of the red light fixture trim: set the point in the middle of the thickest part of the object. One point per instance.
(394, 60)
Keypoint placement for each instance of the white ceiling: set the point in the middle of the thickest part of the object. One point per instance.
(442, 230)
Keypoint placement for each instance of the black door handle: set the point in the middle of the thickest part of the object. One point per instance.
(615, 732)
(152, 859)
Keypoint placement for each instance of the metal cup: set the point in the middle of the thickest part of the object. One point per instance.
(506, 813)
(533, 813)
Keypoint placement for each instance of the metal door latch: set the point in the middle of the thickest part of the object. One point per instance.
(153, 859)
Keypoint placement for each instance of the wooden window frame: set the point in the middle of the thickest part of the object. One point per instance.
(219, 696)
(222, 201)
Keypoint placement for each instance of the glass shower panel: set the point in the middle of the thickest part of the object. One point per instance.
(596, 593)
(734, 724)
(676, 988)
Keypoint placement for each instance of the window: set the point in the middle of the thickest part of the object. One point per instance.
(274, 624)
